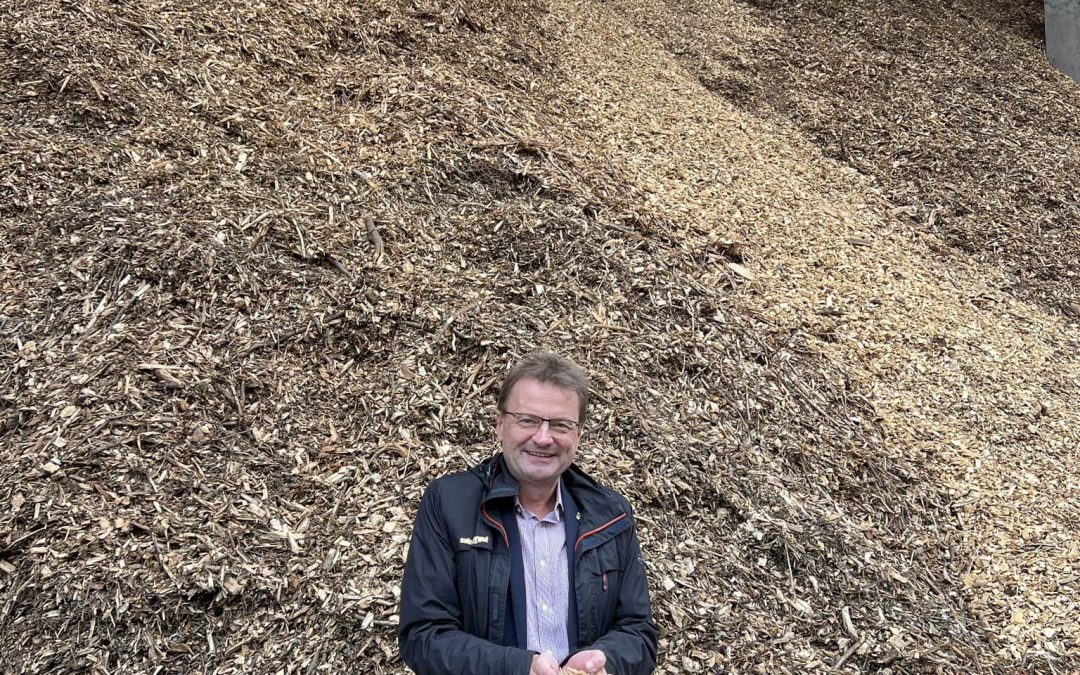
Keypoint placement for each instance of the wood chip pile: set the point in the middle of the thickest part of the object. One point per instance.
(973, 374)
(265, 266)
(951, 107)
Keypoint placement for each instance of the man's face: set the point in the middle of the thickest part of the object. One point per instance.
(537, 456)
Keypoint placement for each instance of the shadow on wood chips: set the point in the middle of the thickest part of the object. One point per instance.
(220, 403)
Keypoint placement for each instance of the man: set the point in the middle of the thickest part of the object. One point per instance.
(524, 563)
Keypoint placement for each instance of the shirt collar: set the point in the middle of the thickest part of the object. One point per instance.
(558, 502)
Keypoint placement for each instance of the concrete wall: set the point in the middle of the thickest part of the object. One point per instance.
(1063, 35)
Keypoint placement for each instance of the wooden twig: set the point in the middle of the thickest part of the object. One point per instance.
(847, 654)
(290, 334)
(13, 546)
(335, 263)
(374, 237)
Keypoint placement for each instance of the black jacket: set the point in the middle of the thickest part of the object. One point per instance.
(454, 593)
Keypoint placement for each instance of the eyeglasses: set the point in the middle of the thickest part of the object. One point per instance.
(558, 427)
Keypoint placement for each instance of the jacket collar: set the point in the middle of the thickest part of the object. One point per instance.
(595, 505)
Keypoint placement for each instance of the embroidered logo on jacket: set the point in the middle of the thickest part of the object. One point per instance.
(473, 541)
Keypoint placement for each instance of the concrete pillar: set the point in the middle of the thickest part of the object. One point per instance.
(1063, 35)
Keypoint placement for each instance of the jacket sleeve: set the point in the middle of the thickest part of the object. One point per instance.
(429, 635)
(631, 644)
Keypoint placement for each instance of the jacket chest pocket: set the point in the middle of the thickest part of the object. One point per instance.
(603, 573)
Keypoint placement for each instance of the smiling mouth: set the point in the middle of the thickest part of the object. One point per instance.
(539, 455)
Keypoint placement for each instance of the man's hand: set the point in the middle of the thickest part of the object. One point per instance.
(591, 661)
(544, 664)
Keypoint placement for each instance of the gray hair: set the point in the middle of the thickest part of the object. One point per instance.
(550, 369)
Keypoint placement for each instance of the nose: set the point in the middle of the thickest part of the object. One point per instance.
(543, 434)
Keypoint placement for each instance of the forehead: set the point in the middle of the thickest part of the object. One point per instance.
(532, 396)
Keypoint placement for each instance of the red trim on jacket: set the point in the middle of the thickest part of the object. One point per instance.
(599, 529)
(497, 524)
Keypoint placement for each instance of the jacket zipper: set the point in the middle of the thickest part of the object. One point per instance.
(603, 527)
(487, 516)
(495, 523)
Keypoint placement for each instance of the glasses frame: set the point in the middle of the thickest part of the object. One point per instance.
(514, 417)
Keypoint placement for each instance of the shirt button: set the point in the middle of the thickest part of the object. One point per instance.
(545, 608)
(543, 563)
